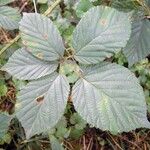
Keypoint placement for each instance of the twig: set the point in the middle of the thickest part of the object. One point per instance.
(50, 9)
(9, 44)
(84, 144)
(29, 147)
(69, 144)
(130, 142)
(5, 36)
(148, 17)
(90, 144)
(47, 12)
(23, 6)
(115, 142)
(44, 141)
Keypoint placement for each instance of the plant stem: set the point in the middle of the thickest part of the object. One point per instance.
(47, 12)
(50, 9)
(9, 44)
(35, 6)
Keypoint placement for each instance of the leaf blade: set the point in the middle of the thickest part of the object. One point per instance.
(22, 65)
(40, 109)
(4, 2)
(138, 46)
(41, 37)
(5, 121)
(55, 144)
(9, 18)
(99, 34)
(109, 97)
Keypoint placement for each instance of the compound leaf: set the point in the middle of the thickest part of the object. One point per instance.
(109, 97)
(42, 103)
(5, 121)
(138, 47)
(25, 66)
(41, 37)
(9, 18)
(101, 32)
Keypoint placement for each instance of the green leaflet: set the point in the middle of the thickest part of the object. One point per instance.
(4, 2)
(138, 47)
(101, 32)
(42, 103)
(5, 121)
(77, 121)
(125, 5)
(109, 97)
(3, 87)
(24, 66)
(55, 145)
(41, 37)
(9, 18)
(71, 70)
(82, 7)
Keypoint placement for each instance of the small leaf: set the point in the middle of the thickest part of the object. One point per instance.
(55, 145)
(147, 2)
(110, 97)
(41, 37)
(82, 7)
(125, 5)
(3, 88)
(4, 2)
(76, 133)
(138, 47)
(77, 121)
(9, 18)
(5, 121)
(71, 70)
(42, 103)
(25, 66)
(101, 32)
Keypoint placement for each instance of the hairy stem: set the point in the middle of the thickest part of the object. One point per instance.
(47, 12)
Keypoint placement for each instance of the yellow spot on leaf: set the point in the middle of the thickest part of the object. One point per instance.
(103, 103)
(103, 22)
(24, 43)
(39, 55)
(17, 105)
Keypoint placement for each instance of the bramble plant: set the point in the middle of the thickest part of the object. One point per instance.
(9, 17)
(106, 95)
